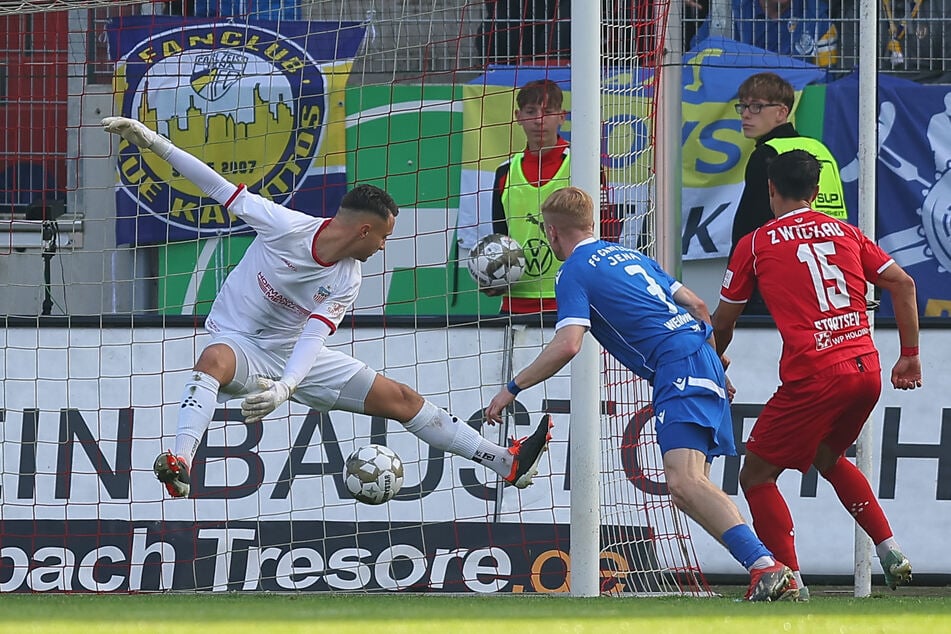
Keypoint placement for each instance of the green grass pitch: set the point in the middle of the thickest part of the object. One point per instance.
(425, 614)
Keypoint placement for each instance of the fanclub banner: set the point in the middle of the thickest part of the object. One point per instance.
(714, 148)
(913, 223)
(260, 102)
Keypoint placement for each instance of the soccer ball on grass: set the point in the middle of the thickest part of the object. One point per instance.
(373, 474)
(496, 261)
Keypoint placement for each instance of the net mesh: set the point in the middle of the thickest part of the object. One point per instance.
(415, 97)
(23, 7)
(106, 289)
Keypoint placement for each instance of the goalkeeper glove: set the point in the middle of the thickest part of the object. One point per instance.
(258, 405)
(136, 133)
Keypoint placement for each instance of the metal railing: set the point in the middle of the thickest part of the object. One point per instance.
(416, 37)
(914, 35)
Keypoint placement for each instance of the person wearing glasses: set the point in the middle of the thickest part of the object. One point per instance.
(765, 103)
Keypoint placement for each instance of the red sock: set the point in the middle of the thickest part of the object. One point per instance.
(772, 522)
(858, 499)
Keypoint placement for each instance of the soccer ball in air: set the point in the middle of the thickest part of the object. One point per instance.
(496, 261)
(373, 474)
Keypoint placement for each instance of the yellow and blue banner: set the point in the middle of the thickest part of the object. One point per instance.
(490, 136)
(260, 102)
(714, 148)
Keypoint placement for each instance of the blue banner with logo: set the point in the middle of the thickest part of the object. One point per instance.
(913, 222)
(260, 102)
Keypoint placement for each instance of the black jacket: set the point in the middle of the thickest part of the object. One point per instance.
(753, 211)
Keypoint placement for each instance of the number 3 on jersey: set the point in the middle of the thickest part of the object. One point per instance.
(653, 287)
(816, 257)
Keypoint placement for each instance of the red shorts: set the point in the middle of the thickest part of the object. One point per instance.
(829, 407)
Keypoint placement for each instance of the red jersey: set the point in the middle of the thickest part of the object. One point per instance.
(811, 270)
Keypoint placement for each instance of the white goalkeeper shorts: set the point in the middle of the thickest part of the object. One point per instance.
(337, 381)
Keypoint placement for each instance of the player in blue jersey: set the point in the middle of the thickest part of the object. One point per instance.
(660, 330)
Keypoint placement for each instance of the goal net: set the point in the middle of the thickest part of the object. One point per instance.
(111, 260)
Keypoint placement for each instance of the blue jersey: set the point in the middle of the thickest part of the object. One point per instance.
(626, 299)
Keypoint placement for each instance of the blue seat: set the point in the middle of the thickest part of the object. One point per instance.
(254, 9)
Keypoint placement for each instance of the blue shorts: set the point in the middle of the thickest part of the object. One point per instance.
(691, 408)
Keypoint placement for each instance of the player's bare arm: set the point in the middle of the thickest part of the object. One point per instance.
(560, 350)
(697, 308)
(693, 304)
(906, 373)
(724, 323)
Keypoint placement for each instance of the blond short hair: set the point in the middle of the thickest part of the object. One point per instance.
(571, 207)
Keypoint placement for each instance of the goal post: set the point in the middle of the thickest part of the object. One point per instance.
(868, 121)
(585, 367)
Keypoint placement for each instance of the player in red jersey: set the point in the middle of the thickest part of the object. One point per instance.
(812, 271)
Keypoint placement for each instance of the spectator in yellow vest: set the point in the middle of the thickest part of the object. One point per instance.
(765, 104)
(521, 186)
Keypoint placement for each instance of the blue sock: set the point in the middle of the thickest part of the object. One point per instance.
(744, 545)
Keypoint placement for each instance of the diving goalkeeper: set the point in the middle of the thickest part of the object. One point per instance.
(274, 313)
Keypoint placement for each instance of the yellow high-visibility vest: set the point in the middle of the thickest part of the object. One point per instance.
(522, 202)
(831, 199)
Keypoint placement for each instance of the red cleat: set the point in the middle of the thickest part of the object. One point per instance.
(173, 472)
(528, 452)
(775, 583)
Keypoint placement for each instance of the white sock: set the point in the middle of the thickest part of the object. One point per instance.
(887, 545)
(194, 414)
(763, 562)
(439, 428)
(799, 583)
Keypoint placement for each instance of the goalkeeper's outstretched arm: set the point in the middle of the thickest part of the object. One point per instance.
(210, 182)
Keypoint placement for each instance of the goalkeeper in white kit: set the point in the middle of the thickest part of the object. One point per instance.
(270, 321)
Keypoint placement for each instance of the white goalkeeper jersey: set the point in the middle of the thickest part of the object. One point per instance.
(280, 282)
